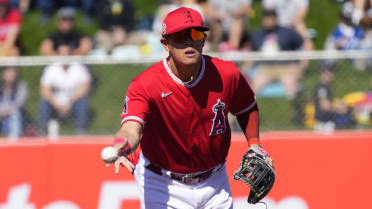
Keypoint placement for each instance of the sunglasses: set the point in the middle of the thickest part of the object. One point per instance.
(182, 36)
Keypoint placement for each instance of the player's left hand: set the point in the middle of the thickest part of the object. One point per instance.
(268, 159)
(257, 172)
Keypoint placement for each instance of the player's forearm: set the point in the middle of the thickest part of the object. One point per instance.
(249, 123)
(128, 137)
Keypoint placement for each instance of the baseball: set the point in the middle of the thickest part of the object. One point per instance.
(109, 154)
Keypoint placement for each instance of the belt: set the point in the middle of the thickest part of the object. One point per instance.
(189, 179)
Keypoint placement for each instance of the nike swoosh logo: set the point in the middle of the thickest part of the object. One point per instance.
(163, 95)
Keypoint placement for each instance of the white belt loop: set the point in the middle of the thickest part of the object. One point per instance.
(168, 173)
(217, 167)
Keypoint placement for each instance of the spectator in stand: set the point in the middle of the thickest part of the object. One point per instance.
(346, 36)
(22, 5)
(13, 95)
(361, 104)
(10, 27)
(292, 14)
(271, 39)
(116, 21)
(66, 34)
(362, 14)
(329, 113)
(228, 19)
(48, 7)
(64, 92)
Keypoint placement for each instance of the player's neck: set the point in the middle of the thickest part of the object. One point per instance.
(186, 73)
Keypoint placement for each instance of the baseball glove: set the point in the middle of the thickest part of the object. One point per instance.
(256, 173)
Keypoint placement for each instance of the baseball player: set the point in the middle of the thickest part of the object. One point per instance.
(176, 111)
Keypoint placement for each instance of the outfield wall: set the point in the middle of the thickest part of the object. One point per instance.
(314, 171)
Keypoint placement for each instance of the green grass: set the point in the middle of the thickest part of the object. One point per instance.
(275, 114)
(323, 16)
(107, 98)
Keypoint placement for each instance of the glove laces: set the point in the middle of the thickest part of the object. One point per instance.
(263, 203)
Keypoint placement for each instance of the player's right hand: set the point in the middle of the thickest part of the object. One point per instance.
(122, 161)
(128, 161)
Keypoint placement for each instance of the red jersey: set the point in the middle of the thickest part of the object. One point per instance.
(186, 127)
(12, 18)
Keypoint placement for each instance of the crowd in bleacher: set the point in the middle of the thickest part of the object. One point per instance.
(120, 32)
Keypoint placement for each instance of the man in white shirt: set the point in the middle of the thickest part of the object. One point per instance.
(64, 89)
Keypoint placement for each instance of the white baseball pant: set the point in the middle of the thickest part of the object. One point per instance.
(162, 192)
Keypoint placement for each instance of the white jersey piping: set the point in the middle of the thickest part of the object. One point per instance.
(246, 109)
(140, 120)
(177, 80)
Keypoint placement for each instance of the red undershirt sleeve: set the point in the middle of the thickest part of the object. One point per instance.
(249, 123)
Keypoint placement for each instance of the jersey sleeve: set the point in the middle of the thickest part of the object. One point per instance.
(136, 104)
(243, 96)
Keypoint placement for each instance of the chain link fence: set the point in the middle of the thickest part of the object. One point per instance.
(286, 103)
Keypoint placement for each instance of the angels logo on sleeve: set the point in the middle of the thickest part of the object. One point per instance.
(125, 106)
(219, 122)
